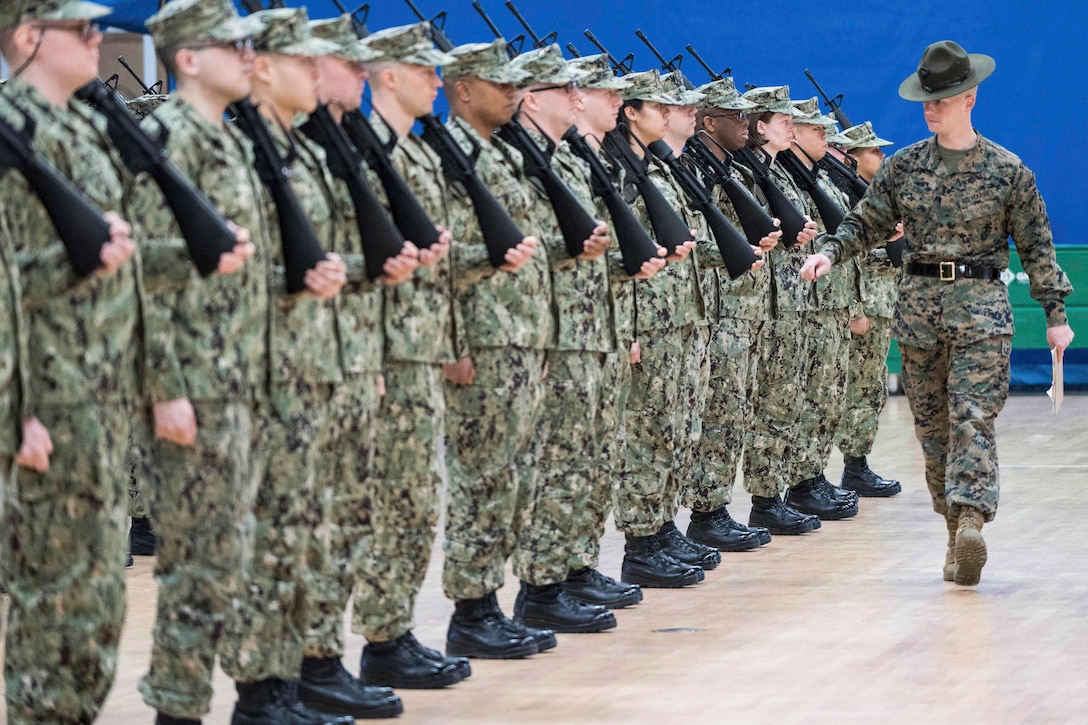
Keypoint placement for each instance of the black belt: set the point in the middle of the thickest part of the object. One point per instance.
(951, 271)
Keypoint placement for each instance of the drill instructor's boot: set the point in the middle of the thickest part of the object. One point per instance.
(950, 555)
(970, 548)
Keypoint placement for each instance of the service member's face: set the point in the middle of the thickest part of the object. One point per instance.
(649, 123)
(416, 87)
(869, 160)
(599, 109)
(811, 138)
(557, 107)
(69, 50)
(341, 82)
(293, 83)
(778, 130)
(495, 103)
(681, 122)
(949, 114)
(224, 70)
(732, 129)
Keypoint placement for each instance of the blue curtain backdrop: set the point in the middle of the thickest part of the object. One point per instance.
(1036, 103)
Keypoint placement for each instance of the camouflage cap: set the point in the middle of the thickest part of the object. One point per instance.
(722, 93)
(861, 136)
(488, 61)
(808, 113)
(544, 66)
(771, 99)
(408, 44)
(16, 12)
(681, 94)
(187, 21)
(594, 71)
(286, 31)
(646, 86)
(341, 32)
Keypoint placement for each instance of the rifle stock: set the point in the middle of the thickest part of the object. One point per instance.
(756, 222)
(82, 228)
(830, 212)
(793, 222)
(206, 233)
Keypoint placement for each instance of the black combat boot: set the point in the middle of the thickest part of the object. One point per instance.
(478, 629)
(778, 518)
(164, 719)
(686, 551)
(646, 564)
(141, 539)
(403, 662)
(835, 492)
(275, 702)
(809, 497)
(858, 477)
(550, 607)
(326, 686)
(592, 587)
(715, 528)
(543, 638)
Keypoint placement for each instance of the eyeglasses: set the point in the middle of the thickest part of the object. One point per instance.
(565, 87)
(240, 45)
(87, 31)
(734, 116)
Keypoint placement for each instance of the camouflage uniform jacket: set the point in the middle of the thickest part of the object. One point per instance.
(12, 349)
(82, 334)
(303, 336)
(749, 296)
(791, 293)
(672, 298)
(710, 258)
(421, 324)
(505, 308)
(622, 285)
(842, 287)
(966, 215)
(206, 337)
(879, 279)
(581, 287)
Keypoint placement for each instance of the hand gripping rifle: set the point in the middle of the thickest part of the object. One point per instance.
(499, 231)
(381, 239)
(575, 223)
(79, 223)
(756, 222)
(409, 216)
(301, 248)
(206, 233)
(734, 248)
(670, 230)
(807, 179)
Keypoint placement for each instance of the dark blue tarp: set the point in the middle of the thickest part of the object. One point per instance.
(1035, 103)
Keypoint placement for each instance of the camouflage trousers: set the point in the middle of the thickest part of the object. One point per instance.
(609, 433)
(955, 393)
(142, 475)
(347, 497)
(405, 485)
(734, 356)
(65, 535)
(200, 503)
(655, 426)
(264, 635)
(565, 450)
(694, 388)
(776, 409)
(488, 428)
(7, 483)
(827, 355)
(867, 388)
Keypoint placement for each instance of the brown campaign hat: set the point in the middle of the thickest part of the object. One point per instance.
(946, 70)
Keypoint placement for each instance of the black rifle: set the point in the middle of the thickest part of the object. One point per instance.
(79, 223)
(709, 71)
(756, 222)
(207, 235)
(735, 249)
(792, 220)
(807, 180)
(835, 104)
(358, 16)
(635, 243)
(575, 223)
(669, 66)
(845, 177)
(301, 248)
(499, 231)
(381, 239)
(538, 41)
(155, 89)
(622, 67)
(513, 47)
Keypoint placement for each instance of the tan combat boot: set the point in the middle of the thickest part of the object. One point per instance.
(950, 555)
(970, 550)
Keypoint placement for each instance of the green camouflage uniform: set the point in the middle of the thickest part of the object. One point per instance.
(206, 341)
(265, 639)
(12, 356)
(509, 324)
(955, 336)
(65, 529)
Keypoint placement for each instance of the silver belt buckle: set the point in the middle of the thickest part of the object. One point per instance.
(948, 271)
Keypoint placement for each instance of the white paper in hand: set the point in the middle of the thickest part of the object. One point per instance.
(1057, 385)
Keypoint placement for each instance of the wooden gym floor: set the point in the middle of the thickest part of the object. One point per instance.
(850, 624)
